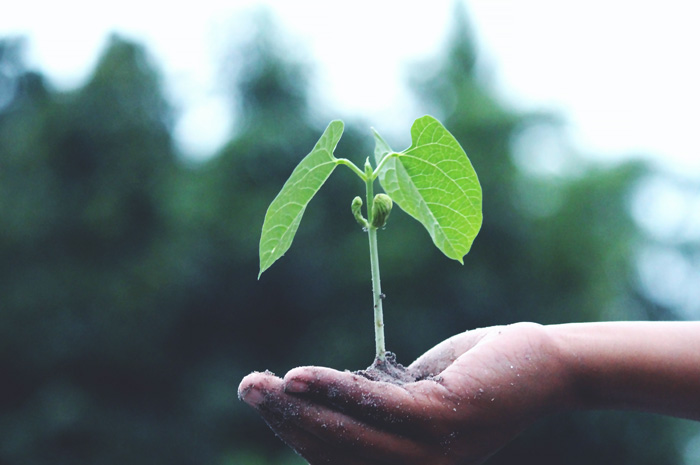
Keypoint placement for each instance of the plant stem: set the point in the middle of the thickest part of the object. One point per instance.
(377, 293)
(376, 282)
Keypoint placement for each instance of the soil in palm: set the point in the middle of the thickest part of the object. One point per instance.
(389, 370)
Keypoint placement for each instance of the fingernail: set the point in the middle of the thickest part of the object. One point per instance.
(252, 397)
(296, 387)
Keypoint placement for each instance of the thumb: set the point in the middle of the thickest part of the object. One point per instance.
(437, 359)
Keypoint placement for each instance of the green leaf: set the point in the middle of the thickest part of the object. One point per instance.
(381, 148)
(284, 213)
(434, 182)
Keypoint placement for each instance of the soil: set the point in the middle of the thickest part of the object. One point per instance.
(389, 370)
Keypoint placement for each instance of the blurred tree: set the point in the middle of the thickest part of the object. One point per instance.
(85, 270)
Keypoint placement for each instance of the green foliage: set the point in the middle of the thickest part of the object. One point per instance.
(435, 183)
(285, 212)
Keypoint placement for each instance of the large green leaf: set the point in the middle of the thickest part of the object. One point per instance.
(381, 148)
(284, 213)
(434, 182)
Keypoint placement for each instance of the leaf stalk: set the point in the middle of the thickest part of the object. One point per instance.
(353, 167)
(383, 161)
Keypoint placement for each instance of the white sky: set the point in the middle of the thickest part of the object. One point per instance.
(624, 73)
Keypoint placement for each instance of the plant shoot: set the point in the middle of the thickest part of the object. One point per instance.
(432, 180)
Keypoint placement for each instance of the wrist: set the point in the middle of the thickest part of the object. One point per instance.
(572, 391)
(549, 377)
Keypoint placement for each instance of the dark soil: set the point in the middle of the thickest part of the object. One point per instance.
(389, 370)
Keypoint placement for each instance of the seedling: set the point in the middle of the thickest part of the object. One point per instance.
(433, 181)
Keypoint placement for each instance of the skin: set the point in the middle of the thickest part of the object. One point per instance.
(479, 390)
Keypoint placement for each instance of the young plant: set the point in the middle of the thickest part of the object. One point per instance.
(432, 180)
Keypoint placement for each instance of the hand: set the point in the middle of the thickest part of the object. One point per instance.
(476, 391)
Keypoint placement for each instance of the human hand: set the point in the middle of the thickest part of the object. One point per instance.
(474, 393)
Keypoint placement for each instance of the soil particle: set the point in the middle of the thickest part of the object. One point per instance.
(389, 371)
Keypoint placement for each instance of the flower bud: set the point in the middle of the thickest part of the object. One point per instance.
(381, 207)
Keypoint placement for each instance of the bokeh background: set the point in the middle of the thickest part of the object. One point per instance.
(129, 304)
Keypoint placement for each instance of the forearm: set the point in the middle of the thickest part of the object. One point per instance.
(644, 366)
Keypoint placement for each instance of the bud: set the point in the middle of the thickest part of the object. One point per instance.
(381, 207)
(356, 208)
(368, 168)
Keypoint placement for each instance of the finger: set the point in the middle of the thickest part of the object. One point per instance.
(265, 393)
(323, 435)
(387, 405)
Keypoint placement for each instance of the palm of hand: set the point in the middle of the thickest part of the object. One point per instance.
(479, 390)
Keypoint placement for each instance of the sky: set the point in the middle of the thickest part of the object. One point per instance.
(623, 74)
